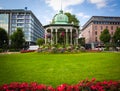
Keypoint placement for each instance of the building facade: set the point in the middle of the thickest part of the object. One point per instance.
(12, 19)
(60, 31)
(92, 30)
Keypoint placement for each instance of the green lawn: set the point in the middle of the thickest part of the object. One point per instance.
(55, 69)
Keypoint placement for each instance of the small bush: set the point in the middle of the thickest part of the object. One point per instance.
(14, 50)
(1, 50)
(54, 50)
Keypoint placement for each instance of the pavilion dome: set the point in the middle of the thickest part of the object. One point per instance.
(61, 18)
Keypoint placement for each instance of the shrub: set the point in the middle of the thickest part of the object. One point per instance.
(69, 48)
(54, 50)
(1, 50)
(14, 50)
(61, 50)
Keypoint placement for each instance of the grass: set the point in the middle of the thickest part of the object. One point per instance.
(55, 69)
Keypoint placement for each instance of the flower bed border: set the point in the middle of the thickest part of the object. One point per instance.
(84, 85)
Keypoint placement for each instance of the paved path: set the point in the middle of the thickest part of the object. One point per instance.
(9, 52)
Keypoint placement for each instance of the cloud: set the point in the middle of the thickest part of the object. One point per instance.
(113, 5)
(1, 7)
(56, 4)
(69, 10)
(99, 3)
(82, 15)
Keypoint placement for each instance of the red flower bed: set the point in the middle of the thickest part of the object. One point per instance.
(26, 51)
(84, 85)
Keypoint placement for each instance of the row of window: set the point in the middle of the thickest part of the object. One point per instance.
(101, 32)
(20, 16)
(101, 27)
(106, 22)
(107, 18)
(20, 20)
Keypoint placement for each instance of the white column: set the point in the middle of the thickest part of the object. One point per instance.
(77, 36)
(66, 36)
(71, 35)
(51, 36)
(45, 36)
(56, 36)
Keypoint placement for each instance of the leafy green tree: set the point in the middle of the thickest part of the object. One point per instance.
(40, 41)
(105, 36)
(3, 39)
(116, 36)
(17, 39)
(72, 18)
(81, 41)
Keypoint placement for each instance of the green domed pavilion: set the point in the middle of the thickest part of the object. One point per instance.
(61, 31)
(61, 18)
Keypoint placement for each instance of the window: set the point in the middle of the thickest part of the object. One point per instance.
(106, 27)
(95, 28)
(111, 27)
(27, 21)
(20, 16)
(13, 29)
(20, 20)
(19, 24)
(14, 21)
(117, 27)
(13, 16)
(13, 24)
(101, 28)
(96, 39)
(27, 16)
(95, 32)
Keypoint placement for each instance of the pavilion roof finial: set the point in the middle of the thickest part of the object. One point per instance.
(61, 11)
(61, 4)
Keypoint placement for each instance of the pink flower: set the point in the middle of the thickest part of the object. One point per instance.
(93, 79)
(41, 87)
(62, 87)
(50, 88)
(33, 86)
(62, 34)
(24, 86)
(5, 87)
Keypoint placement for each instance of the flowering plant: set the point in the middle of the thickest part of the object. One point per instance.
(48, 35)
(62, 34)
(84, 85)
(26, 51)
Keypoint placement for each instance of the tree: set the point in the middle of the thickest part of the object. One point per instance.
(72, 18)
(3, 39)
(116, 37)
(40, 41)
(105, 36)
(17, 39)
(81, 41)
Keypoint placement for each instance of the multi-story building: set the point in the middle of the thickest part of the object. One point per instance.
(92, 30)
(12, 19)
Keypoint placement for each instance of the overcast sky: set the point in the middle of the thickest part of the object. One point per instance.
(44, 10)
